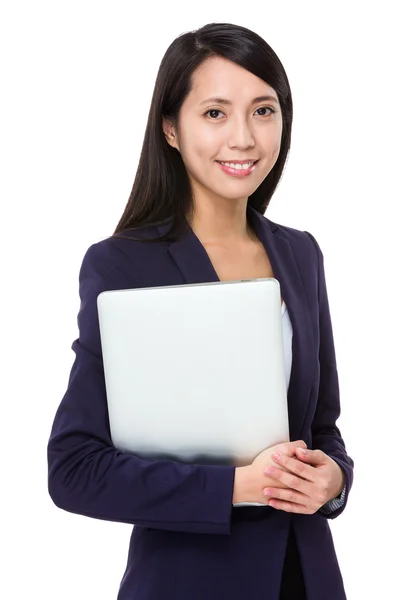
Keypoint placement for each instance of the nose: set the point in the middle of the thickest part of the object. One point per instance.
(240, 135)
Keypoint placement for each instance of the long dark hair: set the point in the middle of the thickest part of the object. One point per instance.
(161, 191)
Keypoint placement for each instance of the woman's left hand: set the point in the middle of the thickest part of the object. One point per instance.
(312, 481)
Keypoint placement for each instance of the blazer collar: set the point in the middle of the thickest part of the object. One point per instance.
(194, 263)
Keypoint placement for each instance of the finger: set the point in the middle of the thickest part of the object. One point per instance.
(297, 444)
(297, 467)
(291, 507)
(290, 480)
(314, 457)
(287, 495)
(290, 447)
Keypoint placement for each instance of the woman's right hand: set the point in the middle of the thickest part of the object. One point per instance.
(250, 481)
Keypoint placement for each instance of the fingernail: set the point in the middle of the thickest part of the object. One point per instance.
(267, 492)
(270, 470)
(302, 451)
(276, 455)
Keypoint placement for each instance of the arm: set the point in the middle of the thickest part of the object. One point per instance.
(88, 475)
(325, 434)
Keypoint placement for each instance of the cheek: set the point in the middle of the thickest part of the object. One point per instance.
(276, 153)
(198, 159)
(274, 150)
(204, 151)
(198, 147)
(272, 140)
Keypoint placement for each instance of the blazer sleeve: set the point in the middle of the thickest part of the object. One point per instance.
(325, 434)
(87, 475)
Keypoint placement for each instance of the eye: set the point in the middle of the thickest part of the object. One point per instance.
(216, 110)
(272, 110)
(212, 110)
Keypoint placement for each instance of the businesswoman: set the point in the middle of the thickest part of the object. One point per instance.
(215, 145)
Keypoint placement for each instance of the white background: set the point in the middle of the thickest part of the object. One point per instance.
(77, 78)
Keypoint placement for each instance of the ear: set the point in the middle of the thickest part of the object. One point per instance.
(170, 133)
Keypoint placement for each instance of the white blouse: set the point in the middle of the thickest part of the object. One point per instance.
(287, 342)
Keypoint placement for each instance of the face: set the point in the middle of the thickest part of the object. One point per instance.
(239, 129)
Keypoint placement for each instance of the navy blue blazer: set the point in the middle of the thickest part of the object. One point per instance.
(188, 541)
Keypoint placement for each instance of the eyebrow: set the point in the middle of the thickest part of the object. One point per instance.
(224, 101)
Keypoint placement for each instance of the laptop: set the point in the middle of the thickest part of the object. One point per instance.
(195, 373)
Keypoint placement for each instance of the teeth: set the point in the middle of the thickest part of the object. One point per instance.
(238, 166)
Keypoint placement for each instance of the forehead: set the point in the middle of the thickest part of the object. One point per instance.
(218, 76)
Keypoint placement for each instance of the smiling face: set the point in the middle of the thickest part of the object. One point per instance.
(234, 126)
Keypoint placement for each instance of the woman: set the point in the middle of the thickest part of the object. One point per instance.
(221, 100)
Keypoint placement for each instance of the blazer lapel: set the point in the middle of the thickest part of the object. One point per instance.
(192, 260)
(195, 266)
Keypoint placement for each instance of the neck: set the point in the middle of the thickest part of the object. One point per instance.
(221, 224)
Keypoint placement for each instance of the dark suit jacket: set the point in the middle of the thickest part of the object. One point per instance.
(188, 541)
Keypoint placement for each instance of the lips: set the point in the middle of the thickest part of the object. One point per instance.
(237, 172)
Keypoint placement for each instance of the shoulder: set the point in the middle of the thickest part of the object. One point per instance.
(119, 252)
(301, 241)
